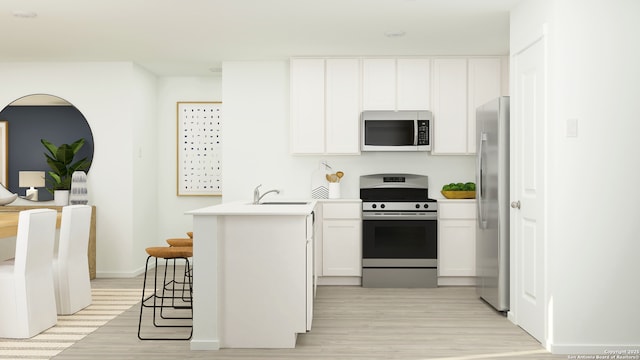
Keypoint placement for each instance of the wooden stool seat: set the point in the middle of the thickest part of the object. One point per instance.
(170, 252)
(180, 242)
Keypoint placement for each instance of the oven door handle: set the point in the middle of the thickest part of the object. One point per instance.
(397, 216)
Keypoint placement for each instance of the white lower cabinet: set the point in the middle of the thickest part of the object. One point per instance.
(310, 280)
(341, 242)
(456, 242)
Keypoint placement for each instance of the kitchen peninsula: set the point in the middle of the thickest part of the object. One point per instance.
(253, 274)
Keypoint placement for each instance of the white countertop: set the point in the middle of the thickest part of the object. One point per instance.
(247, 208)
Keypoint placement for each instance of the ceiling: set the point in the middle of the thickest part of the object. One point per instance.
(193, 37)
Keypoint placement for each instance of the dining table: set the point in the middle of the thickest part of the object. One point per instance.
(9, 223)
(9, 229)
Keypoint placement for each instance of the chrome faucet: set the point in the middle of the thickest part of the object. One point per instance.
(257, 197)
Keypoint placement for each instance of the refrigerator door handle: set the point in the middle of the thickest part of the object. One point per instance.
(482, 221)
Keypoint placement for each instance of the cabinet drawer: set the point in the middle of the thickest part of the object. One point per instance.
(341, 210)
(466, 210)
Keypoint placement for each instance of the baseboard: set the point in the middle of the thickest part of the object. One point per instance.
(340, 280)
(456, 281)
(205, 344)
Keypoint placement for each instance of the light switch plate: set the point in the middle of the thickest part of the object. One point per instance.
(572, 127)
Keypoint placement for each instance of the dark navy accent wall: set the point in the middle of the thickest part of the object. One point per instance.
(29, 124)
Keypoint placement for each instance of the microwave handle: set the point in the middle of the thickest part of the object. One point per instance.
(415, 133)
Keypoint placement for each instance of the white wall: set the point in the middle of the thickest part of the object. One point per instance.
(143, 103)
(592, 222)
(114, 98)
(256, 143)
(172, 222)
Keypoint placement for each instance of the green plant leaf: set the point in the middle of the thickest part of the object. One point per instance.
(49, 146)
(60, 160)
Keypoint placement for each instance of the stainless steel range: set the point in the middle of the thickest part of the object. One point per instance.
(399, 231)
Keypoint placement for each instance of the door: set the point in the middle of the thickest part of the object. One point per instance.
(527, 191)
(399, 239)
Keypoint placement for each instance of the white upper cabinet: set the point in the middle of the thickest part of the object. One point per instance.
(449, 106)
(342, 106)
(413, 84)
(460, 85)
(328, 95)
(395, 84)
(307, 106)
(325, 106)
(378, 84)
(484, 86)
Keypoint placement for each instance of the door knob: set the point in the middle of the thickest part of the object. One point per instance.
(515, 204)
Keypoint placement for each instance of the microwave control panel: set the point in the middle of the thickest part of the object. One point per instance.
(423, 132)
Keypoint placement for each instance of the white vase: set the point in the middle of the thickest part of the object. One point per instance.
(334, 190)
(78, 194)
(61, 197)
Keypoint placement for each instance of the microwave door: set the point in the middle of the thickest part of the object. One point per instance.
(390, 133)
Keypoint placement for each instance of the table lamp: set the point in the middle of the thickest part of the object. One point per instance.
(32, 180)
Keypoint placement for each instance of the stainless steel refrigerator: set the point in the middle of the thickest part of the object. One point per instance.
(492, 197)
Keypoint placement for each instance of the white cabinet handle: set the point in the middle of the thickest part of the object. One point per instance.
(515, 204)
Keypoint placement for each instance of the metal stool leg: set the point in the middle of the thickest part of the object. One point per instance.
(161, 305)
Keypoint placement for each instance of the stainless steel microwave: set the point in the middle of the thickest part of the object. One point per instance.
(396, 130)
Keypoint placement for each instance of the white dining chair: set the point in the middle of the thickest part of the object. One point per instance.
(70, 263)
(27, 298)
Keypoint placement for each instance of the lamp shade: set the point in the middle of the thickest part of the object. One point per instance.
(31, 178)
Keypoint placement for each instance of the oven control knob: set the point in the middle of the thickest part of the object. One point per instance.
(373, 206)
(426, 206)
(417, 206)
(381, 206)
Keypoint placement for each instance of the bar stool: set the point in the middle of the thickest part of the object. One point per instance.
(176, 303)
(187, 271)
(180, 242)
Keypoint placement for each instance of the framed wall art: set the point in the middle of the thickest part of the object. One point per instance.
(199, 148)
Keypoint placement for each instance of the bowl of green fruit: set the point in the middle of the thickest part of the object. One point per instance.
(459, 191)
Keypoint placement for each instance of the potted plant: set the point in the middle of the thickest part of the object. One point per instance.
(60, 160)
(459, 190)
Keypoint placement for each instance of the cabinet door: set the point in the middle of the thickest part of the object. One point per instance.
(449, 106)
(341, 248)
(310, 286)
(307, 106)
(342, 106)
(484, 85)
(457, 248)
(413, 84)
(378, 84)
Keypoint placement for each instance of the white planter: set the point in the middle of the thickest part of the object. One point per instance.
(61, 197)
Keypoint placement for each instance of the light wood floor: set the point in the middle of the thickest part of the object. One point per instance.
(349, 323)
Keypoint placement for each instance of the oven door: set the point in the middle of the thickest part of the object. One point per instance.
(401, 238)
